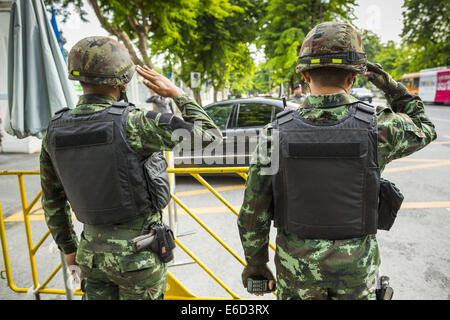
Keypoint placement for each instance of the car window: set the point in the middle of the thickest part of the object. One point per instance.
(277, 110)
(254, 114)
(219, 114)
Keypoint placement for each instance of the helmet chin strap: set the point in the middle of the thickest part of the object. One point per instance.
(123, 93)
(346, 90)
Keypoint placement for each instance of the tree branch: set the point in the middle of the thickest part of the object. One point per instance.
(119, 33)
(142, 34)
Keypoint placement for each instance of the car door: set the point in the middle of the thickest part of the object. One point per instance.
(251, 117)
(223, 115)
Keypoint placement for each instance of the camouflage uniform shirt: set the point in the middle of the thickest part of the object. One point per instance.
(403, 129)
(100, 244)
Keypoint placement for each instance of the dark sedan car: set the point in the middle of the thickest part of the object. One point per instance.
(240, 121)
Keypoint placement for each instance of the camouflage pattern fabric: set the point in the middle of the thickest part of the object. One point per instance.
(381, 79)
(100, 60)
(328, 45)
(314, 269)
(305, 292)
(110, 269)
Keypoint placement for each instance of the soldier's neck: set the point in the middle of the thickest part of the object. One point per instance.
(318, 89)
(109, 91)
(327, 90)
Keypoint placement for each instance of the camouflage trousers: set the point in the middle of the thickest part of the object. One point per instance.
(326, 269)
(304, 292)
(105, 280)
(110, 270)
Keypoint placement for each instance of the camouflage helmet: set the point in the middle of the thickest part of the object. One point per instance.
(100, 60)
(332, 44)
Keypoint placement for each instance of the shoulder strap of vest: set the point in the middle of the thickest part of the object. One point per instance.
(284, 116)
(364, 112)
(382, 108)
(119, 107)
(59, 113)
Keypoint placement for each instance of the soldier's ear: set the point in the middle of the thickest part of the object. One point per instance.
(350, 80)
(306, 76)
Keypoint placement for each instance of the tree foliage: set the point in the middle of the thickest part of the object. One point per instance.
(286, 24)
(210, 37)
(425, 40)
(218, 46)
(214, 37)
(426, 30)
(261, 82)
(396, 59)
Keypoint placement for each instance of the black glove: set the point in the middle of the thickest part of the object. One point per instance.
(256, 271)
(381, 79)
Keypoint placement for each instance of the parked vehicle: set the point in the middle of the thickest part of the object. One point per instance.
(432, 85)
(240, 122)
(362, 94)
(411, 81)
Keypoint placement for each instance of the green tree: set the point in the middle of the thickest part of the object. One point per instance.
(241, 71)
(261, 81)
(207, 36)
(426, 29)
(372, 47)
(284, 27)
(136, 22)
(217, 46)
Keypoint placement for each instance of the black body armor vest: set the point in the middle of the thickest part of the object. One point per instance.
(103, 178)
(327, 184)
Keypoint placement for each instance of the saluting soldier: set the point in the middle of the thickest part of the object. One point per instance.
(297, 95)
(92, 159)
(324, 197)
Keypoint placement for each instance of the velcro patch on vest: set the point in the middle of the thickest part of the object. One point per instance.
(324, 150)
(82, 139)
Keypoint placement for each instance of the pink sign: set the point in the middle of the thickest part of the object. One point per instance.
(443, 86)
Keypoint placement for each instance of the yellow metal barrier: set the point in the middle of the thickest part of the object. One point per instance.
(175, 290)
(26, 209)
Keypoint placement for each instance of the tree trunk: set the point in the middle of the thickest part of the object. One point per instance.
(215, 94)
(122, 35)
(197, 96)
(142, 33)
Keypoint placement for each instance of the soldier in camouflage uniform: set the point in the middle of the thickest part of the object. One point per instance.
(109, 268)
(318, 268)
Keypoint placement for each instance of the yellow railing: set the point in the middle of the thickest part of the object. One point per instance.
(175, 290)
(26, 209)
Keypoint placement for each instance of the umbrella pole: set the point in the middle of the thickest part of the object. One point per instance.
(69, 294)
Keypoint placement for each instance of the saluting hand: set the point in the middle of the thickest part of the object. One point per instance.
(380, 78)
(158, 83)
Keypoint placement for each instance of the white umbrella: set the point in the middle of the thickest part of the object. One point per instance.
(37, 73)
